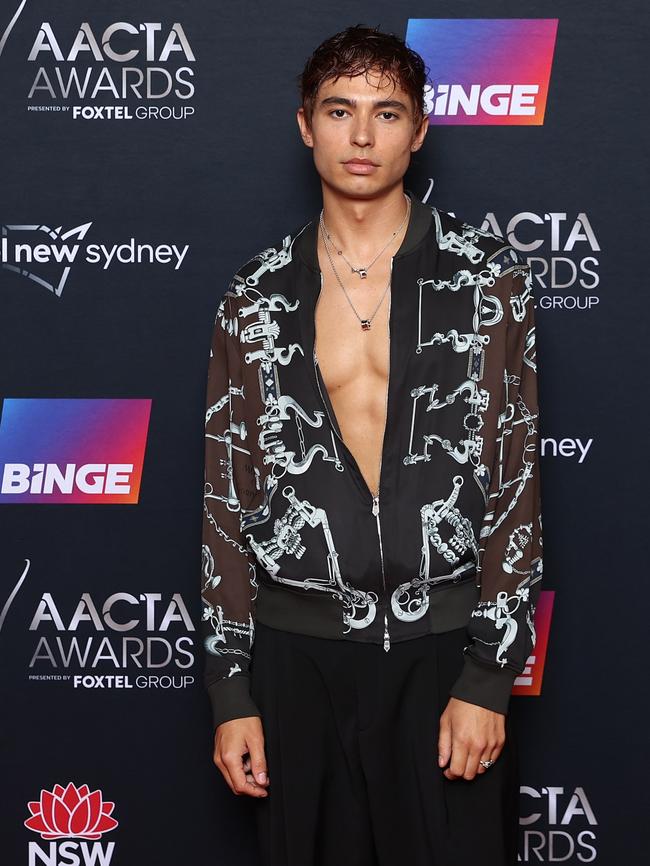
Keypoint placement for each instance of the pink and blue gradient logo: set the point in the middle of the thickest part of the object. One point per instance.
(529, 681)
(485, 71)
(64, 451)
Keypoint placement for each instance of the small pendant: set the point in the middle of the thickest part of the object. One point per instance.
(363, 273)
(365, 324)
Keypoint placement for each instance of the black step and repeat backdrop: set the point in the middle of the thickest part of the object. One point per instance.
(149, 149)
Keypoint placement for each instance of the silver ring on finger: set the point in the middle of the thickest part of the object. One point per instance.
(486, 764)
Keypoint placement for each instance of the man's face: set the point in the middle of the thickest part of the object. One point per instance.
(364, 117)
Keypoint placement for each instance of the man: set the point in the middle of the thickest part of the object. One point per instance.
(360, 656)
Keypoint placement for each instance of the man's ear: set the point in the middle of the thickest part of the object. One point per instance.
(305, 131)
(420, 133)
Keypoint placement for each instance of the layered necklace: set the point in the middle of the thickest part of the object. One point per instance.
(362, 271)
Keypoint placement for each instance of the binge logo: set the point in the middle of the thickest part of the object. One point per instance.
(485, 71)
(529, 681)
(72, 450)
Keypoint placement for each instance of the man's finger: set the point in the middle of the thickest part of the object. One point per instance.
(250, 777)
(235, 765)
(472, 764)
(224, 772)
(247, 768)
(485, 756)
(444, 742)
(490, 753)
(258, 761)
(458, 759)
(495, 752)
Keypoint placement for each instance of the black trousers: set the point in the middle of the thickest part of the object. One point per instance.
(351, 735)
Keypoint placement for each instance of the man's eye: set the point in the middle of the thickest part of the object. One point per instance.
(338, 109)
(391, 113)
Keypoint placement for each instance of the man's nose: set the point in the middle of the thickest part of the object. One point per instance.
(361, 133)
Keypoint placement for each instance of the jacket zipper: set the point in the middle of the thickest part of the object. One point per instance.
(375, 511)
(375, 499)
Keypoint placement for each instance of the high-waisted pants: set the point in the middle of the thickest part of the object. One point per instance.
(351, 743)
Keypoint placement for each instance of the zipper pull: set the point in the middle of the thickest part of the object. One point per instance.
(375, 505)
(386, 635)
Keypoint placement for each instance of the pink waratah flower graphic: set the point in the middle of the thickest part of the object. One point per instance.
(71, 812)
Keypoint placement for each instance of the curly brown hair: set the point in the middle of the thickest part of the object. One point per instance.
(358, 50)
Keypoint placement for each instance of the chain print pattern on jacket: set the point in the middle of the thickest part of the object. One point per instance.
(500, 613)
(511, 542)
(264, 335)
(226, 636)
(462, 457)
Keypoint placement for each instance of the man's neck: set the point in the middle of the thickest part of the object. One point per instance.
(357, 224)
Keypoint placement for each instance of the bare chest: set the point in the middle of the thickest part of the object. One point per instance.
(354, 363)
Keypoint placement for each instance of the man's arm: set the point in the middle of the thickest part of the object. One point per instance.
(510, 545)
(228, 576)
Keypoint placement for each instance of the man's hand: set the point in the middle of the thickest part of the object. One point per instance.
(469, 734)
(239, 754)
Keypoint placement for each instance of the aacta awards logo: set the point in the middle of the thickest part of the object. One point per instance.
(116, 71)
(563, 250)
(71, 813)
(78, 651)
(559, 825)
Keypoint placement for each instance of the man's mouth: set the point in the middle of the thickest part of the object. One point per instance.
(360, 166)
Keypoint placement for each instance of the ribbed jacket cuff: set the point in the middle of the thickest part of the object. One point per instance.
(488, 686)
(230, 698)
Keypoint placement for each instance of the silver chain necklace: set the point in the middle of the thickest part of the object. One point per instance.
(363, 271)
(365, 323)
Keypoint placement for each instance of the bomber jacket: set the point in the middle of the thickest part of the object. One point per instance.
(292, 535)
